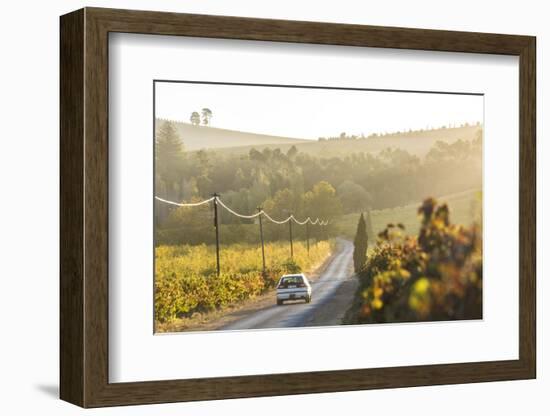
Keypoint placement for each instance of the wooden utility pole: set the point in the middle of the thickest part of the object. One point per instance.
(290, 235)
(216, 226)
(307, 237)
(262, 239)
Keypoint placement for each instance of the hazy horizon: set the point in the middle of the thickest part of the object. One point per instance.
(306, 113)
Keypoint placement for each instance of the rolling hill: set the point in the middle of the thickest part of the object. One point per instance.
(416, 142)
(205, 137)
(465, 208)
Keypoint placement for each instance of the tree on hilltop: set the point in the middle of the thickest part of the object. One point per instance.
(206, 116)
(195, 118)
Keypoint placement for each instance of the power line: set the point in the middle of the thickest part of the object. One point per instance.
(236, 213)
(290, 217)
(191, 204)
(245, 216)
(275, 221)
(217, 201)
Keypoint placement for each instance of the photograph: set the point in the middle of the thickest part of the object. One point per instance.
(295, 206)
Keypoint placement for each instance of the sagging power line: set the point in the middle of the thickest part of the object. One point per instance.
(215, 199)
(251, 216)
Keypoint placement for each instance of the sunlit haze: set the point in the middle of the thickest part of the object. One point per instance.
(308, 113)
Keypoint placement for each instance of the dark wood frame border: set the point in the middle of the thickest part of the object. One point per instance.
(84, 207)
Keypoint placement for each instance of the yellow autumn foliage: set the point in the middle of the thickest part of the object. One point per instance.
(186, 280)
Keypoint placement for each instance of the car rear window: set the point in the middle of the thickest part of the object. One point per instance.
(291, 281)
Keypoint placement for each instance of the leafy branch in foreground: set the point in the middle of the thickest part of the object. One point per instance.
(436, 275)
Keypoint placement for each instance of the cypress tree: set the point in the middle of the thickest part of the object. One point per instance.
(169, 154)
(360, 245)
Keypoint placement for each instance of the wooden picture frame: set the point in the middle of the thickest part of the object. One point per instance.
(84, 207)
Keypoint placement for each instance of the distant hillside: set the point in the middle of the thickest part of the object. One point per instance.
(238, 142)
(465, 208)
(415, 142)
(203, 137)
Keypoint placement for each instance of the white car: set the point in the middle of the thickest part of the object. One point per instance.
(293, 286)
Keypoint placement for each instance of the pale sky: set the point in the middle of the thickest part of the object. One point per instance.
(311, 113)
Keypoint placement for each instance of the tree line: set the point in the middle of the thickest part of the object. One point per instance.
(303, 184)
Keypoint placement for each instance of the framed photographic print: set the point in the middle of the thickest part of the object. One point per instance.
(255, 207)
